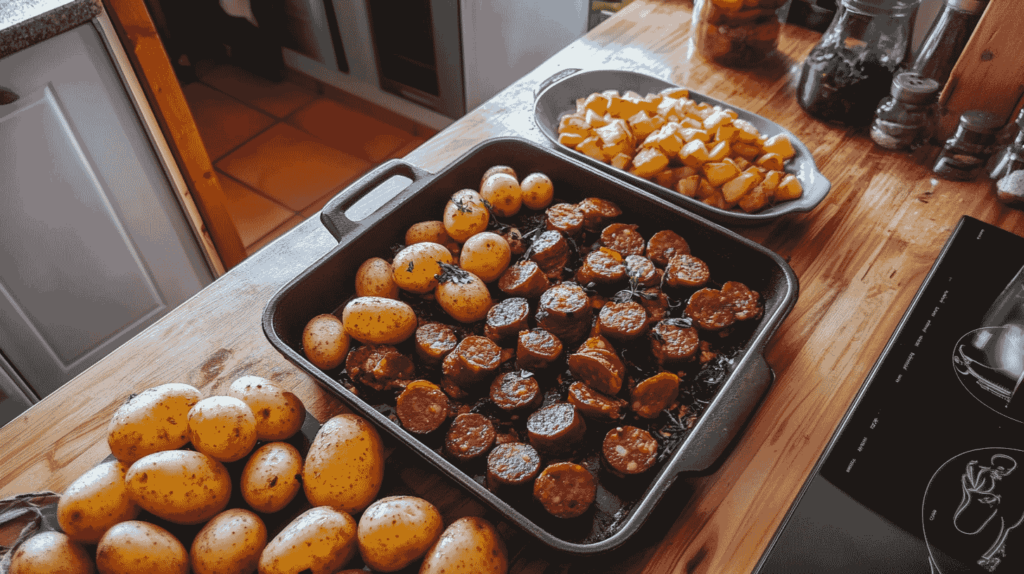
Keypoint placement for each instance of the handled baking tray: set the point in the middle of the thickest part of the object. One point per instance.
(557, 96)
(621, 507)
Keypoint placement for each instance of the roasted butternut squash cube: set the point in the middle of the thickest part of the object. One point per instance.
(717, 173)
(741, 163)
(574, 125)
(716, 119)
(716, 200)
(615, 149)
(755, 200)
(666, 139)
(649, 162)
(592, 147)
(747, 133)
(615, 103)
(770, 161)
(612, 134)
(688, 185)
(738, 186)
(630, 105)
(650, 103)
(726, 133)
(667, 105)
(781, 145)
(690, 123)
(745, 150)
(694, 154)
(771, 182)
(671, 176)
(676, 93)
(621, 161)
(719, 152)
(789, 188)
(731, 113)
(581, 109)
(571, 140)
(705, 190)
(598, 103)
(690, 134)
(641, 125)
(595, 120)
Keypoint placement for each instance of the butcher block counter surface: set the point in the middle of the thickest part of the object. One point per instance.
(860, 256)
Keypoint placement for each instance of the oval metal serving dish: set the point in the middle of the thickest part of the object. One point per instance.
(557, 97)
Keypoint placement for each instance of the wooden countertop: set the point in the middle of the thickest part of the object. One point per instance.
(860, 257)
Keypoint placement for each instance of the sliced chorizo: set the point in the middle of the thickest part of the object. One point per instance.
(565, 217)
(623, 238)
(470, 436)
(673, 341)
(516, 391)
(564, 310)
(537, 349)
(597, 365)
(666, 244)
(601, 267)
(551, 252)
(422, 407)
(473, 360)
(642, 271)
(622, 321)
(565, 489)
(655, 302)
(745, 303)
(629, 450)
(379, 367)
(710, 310)
(556, 429)
(595, 405)
(512, 464)
(654, 394)
(524, 279)
(434, 341)
(598, 212)
(686, 271)
(506, 319)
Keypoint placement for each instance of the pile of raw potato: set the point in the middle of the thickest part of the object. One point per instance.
(701, 151)
(341, 476)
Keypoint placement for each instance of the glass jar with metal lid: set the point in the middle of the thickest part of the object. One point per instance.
(903, 118)
(737, 33)
(946, 39)
(969, 148)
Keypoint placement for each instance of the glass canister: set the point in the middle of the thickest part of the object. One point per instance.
(970, 147)
(904, 117)
(737, 33)
(852, 67)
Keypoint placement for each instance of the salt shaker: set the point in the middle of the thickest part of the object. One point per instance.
(1009, 186)
(946, 39)
(969, 148)
(904, 117)
(997, 165)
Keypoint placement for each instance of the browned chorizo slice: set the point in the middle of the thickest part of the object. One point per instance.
(642, 271)
(745, 303)
(556, 429)
(666, 244)
(524, 279)
(512, 464)
(473, 360)
(629, 450)
(379, 366)
(597, 365)
(654, 394)
(710, 310)
(655, 302)
(565, 217)
(593, 404)
(564, 310)
(622, 321)
(471, 435)
(565, 489)
(686, 271)
(434, 341)
(422, 407)
(551, 252)
(537, 349)
(516, 391)
(506, 319)
(673, 341)
(623, 238)
(598, 212)
(603, 266)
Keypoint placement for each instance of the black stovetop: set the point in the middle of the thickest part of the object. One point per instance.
(926, 472)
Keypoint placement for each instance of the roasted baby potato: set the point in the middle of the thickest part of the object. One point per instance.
(223, 428)
(48, 552)
(470, 545)
(485, 255)
(463, 295)
(395, 531)
(498, 169)
(270, 479)
(325, 341)
(430, 232)
(230, 542)
(96, 501)
(344, 468)
(416, 266)
(378, 321)
(538, 191)
(136, 547)
(154, 420)
(279, 413)
(319, 541)
(182, 486)
(502, 192)
(373, 279)
(465, 215)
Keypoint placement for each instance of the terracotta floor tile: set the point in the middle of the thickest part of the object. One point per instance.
(317, 205)
(274, 234)
(223, 121)
(254, 215)
(349, 130)
(292, 167)
(276, 98)
(407, 148)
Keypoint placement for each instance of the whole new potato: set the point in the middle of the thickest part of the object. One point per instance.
(395, 531)
(137, 547)
(463, 295)
(379, 321)
(223, 428)
(154, 420)
(181, 486)
(96, 501)
(230, 542)
(502, 192)
(373, 279)
(319, 541)
(270, 479)
(430, 232)
(486, 255)
(279, 413)
(345, 464)
(51, 553)
(325, 341)
(416, 266)
(469, 545)
(465, 215)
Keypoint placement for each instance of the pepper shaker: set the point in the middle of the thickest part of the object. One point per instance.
(969, 148)
(904, 117)
(946, 39)
(997, 165)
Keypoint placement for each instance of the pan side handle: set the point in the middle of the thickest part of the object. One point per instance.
(334, 215)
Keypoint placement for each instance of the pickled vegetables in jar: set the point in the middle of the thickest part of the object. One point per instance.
(737, 33)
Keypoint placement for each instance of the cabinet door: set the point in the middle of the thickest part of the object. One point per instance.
(93, 244)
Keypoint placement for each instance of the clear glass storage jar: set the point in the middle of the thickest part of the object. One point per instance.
(737, 33)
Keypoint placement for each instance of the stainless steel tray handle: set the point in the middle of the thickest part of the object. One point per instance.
(333, 214)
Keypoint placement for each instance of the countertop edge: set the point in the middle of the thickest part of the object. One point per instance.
(18, 35)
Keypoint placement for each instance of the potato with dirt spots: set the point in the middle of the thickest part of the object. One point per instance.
(344, 468)
(136, 547)
(51, 553)
(416, 266)
(463, 295)
(502, 192)
(279, 413)
(470, 545)
(395, 531)
(152, 421)
(465, 215)
(379, 321)
(373, 279)
(325, 341)
(319, 541)
(486, 255)
(270, 479)
(182, 486)
(223, 428)
(230, 542)
(95, 502)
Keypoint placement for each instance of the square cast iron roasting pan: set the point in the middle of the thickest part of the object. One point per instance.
(621, 506)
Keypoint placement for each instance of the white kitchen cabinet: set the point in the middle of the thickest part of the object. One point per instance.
(94, 245)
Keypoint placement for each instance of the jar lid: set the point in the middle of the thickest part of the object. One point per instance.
(969, 6)
(980, 122)
(1020, 119)
(912, 88)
